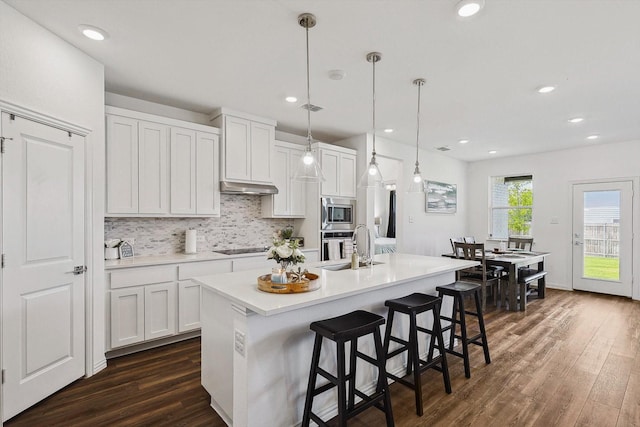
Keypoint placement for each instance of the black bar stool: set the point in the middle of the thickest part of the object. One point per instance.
(460, 290)
(413, 305)
(348, 327)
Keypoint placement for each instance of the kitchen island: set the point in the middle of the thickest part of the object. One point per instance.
(256, 346)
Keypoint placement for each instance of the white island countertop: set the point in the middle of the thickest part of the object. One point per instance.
(241, 288)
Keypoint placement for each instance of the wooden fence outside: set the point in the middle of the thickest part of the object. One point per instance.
(602, 240)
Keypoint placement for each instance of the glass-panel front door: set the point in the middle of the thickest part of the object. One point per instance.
(602, 238)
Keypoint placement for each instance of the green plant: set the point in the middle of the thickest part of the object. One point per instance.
(287, 232)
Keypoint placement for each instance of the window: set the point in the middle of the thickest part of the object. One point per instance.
(511, 206)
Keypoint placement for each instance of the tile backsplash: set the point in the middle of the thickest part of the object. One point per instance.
(240, 226)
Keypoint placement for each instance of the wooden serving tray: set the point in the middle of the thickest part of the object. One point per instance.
(308, 284)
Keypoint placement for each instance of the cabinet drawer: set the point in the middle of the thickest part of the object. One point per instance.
(252, 263)
(141, 276)
(203, 268)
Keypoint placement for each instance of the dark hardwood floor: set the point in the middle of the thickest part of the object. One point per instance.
(572, 360)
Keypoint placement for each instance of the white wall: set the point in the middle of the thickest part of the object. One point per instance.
(43, 73)
(553, 175)
(135, 104)
(417, 232)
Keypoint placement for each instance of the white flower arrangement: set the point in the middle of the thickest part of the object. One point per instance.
(285, 251)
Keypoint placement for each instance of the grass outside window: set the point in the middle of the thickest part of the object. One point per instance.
(602, 268)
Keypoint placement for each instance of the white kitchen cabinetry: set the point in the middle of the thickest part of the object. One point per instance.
(247, 146)
(207, 174)
(159, 310)
(154, 302)
(127, 316)
(153, 170)
(142, 313)
(339, 169)
(189, 292)
(290, 200)
(188, 306)
(122, 165)
(183, 171)
(158, 166)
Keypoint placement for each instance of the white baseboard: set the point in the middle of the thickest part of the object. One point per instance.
(151, 344)
(99, 366)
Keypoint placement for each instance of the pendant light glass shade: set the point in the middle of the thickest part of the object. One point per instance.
(416, 184)
(372, 176)
(308, 169)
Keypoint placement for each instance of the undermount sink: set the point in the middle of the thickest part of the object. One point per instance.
(339, 267)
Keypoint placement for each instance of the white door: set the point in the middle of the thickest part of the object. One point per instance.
(43, 226)
(602, 237)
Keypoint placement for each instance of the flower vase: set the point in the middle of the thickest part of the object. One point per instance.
(279, 274)
(284, 266)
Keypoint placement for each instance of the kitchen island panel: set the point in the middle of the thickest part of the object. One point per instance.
(256, 367)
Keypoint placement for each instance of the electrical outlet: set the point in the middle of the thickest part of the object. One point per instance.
(410, 219)
(239, 342)
(200, 239)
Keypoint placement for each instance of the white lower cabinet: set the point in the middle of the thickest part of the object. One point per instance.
(142, 313)
(188, 306)
(159, 310)
(154, 302)
(127, 316)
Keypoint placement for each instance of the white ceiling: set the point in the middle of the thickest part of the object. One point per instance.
(482, 73)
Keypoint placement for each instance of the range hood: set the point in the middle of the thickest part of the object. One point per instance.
(247, 188)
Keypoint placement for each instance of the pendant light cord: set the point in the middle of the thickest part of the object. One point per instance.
(308, 95)
(374, 107)
(418, 126)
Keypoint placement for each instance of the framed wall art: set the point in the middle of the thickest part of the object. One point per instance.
(441, 197)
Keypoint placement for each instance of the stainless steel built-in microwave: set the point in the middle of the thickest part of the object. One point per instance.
(338, 214)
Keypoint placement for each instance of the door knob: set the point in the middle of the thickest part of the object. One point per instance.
(78, 269)
(577, 243)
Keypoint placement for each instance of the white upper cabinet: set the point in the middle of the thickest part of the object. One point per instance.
(122, 165)
(152, 168)
(339, 169)
(207, 174)
(290, 200)
(237, 149)
(247, 147)
(183, 171)
(158, 166)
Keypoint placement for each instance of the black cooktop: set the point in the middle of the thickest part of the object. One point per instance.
(242, 251)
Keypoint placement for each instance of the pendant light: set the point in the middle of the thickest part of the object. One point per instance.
(372, 176)
(308, 169)
(417, 185)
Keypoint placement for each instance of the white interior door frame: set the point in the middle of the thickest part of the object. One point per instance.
(10, 108)
(635, 228)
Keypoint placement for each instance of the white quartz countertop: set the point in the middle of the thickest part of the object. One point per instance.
(241, 287)
(142, 261)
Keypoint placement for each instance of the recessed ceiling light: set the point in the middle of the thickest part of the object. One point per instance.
(94, 33)
(546, 89)
(492, 152)
(291, 99)
(592, 137)
(463, 141)
(467, 8)
(388, 130)
(576, 119)
(337, 74)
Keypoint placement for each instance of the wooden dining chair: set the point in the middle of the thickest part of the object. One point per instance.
(524, 243)
(530, 277)
(486, 278)
(454, 240)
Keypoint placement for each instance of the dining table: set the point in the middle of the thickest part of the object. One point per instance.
(511, 260)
